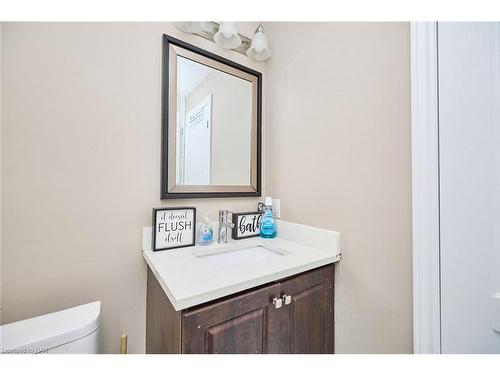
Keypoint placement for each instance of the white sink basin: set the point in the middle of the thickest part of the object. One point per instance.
(240, 253)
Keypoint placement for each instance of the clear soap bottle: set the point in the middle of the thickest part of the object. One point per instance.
(206, 233)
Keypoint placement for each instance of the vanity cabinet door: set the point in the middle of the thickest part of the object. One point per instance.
(310, 312)
(243, 324)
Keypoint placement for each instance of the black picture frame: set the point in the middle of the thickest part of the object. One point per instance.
(164, 193)
(153, 237)
(236, 217)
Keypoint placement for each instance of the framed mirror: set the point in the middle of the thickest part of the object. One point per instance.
(211, 125)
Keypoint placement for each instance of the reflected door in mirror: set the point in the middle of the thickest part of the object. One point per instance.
(214, 112)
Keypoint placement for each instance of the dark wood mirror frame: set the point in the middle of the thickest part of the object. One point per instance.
(204, 191)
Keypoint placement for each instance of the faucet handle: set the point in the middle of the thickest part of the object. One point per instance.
(223, 215)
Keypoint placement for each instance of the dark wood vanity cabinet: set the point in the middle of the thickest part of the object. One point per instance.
(247, 322)
(239, 324)
(310, 314)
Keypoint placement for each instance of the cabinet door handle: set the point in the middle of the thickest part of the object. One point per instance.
(287, 299)
(277, 302)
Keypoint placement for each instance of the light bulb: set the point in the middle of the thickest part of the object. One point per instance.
(227, 37)
(259, 49)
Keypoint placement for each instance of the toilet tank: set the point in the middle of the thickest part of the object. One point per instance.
(74, 330)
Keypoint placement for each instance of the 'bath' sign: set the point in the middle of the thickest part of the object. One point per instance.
(173, 227)
(246, 224)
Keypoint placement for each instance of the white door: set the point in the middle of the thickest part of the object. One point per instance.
(197, 144)
(469, 174)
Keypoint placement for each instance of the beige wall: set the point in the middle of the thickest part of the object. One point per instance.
(1, 304)
(81, 167)
(338, 157)
(81, 154)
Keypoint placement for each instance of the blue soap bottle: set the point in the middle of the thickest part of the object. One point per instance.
(267, 225)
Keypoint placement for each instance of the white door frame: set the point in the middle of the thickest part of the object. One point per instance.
(425, 187)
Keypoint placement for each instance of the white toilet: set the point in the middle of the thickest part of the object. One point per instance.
(71, 331)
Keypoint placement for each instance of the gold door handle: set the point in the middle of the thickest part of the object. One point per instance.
(123, 344)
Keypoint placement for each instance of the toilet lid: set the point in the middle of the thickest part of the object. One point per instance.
(45, 332)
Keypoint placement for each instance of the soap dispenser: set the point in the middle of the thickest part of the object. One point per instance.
(267, 225)
(206, 232)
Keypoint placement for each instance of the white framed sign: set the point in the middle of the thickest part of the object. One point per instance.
(173, 227)
(246, 224)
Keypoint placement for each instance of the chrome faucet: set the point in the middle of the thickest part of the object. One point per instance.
(224, 224)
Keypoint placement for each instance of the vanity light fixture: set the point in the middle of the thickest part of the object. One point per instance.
(227, 37)
(190, 27)
(259, 49)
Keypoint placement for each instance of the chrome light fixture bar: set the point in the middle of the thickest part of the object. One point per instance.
(211, 28)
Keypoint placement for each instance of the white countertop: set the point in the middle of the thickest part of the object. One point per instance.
(190, 280)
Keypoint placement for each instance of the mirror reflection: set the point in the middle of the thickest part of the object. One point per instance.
(214, 122)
